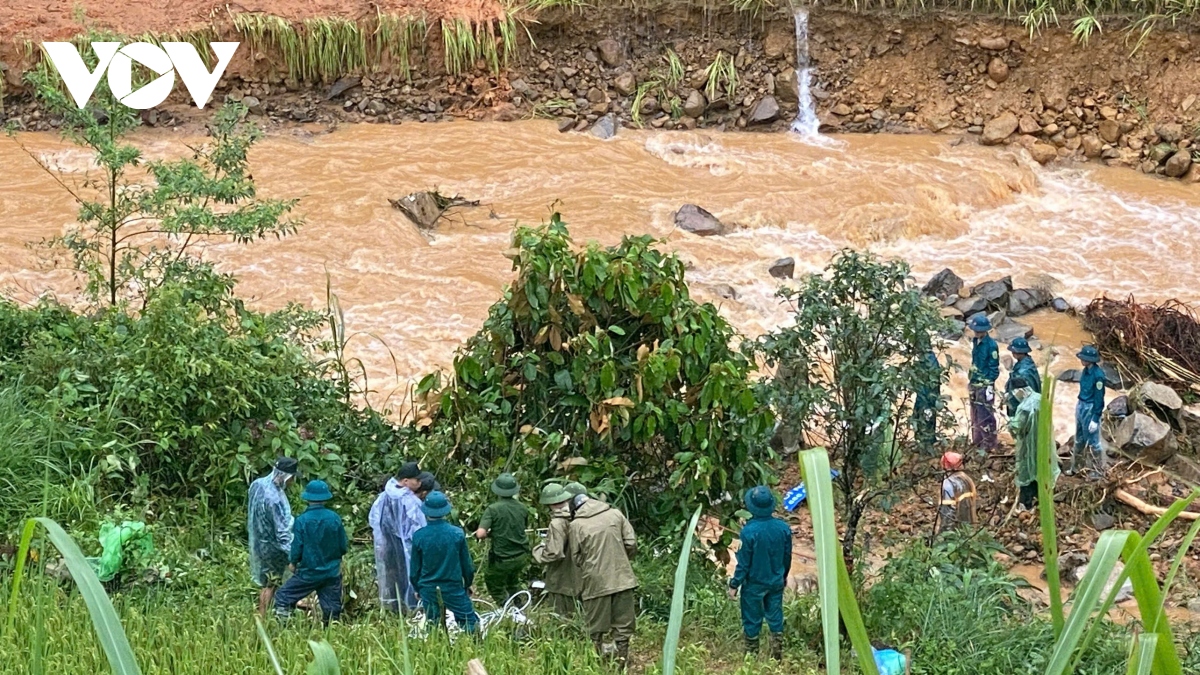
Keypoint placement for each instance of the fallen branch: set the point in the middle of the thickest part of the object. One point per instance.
(1149, 509)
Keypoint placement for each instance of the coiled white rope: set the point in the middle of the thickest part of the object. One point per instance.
(514, 610)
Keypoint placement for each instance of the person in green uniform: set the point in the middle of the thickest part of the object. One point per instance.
(1023, 369)
(985, 368)
(441, 569)
(1024, 427)
(764, 560)
(318, 544)
(602, 542)
(554, 552)
(504, 523)
(576, 489)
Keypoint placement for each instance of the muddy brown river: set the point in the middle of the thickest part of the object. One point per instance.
(984, 212)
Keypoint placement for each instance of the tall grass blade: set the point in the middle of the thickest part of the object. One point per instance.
(1087, 597)
(1047, 460)
(675, 623)
(1149, 599)
(266, 640)
(325, 661)
(814, 467)
(19, 573)
(854, 621)
(1141, 662)
(104, 616)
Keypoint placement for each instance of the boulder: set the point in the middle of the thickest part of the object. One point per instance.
(1159, 400)
(625, 84)
(611, 52)
(943, 285)
(695, 104)
(1179, 163)
(994, 293)
(999, 128)
(566, 124)
(1025, 300)
(994, 44)
(1118, 407)
(970, 305)
(842, 110)
(954, 331)
(1070, 375)
(1060, 305)
(1010, 330)
(725, 291)
(1043, 153)
(1092, 146)
(1112, 378)
(1169, 133)
(951, 313)
(764, 111)
(786, 89)
(253, 105)
(1110, 131)
(1145, 437)
(692, 218)
(783, 268)
(343, 85)
(997, 70)
(605, 127)
(1028, 125)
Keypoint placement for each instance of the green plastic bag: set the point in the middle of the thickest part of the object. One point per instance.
(130, 541)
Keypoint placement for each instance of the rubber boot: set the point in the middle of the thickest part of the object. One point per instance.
(776, 643)
(622, 654)
(751, 645)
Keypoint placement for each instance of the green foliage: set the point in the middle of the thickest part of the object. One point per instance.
(671, 644)
(847, 368)
(598, 363)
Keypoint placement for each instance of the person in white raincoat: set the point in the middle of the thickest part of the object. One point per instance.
(395, 516)
(269, 529)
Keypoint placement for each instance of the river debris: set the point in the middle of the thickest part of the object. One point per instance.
(427, 207)
(1162, 338)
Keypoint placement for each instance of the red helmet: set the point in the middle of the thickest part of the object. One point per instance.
(952, 461)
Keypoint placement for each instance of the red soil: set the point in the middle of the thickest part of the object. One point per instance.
(42, 20)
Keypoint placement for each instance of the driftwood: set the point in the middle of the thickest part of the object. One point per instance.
(1149, 509)
(1163, 338)
(426, 208)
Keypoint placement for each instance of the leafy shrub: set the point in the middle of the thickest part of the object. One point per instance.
(597, 363)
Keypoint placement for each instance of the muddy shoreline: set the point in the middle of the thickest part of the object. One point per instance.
(984, 79)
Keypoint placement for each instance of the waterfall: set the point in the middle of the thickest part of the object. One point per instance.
(806, 123)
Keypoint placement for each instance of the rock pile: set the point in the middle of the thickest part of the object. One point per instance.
(997, 299)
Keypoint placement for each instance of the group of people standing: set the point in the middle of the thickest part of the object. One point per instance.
(1022, 402)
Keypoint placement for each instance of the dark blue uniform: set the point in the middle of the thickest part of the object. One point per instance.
(318, 544)
(985, 368)
(763, 563)
(1087, 414)
(441, 568)
(1024, 369)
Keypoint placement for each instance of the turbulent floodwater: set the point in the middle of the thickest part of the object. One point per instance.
(984, 212)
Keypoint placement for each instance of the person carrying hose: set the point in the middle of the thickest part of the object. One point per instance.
(764, 560)
(985, 369)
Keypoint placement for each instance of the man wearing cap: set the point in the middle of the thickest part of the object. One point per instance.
(554, 552)
(318, 544)
(1023, 369)
(426, 483)
(1024, 426)
(764, 560)
(269, 527)
(504, 523)
(441, 569)
(395, 516)
(602, 541)
(958, 495)
(985, 368)
(1087, 415)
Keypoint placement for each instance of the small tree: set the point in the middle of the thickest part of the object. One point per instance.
(596, 362)
(138, 219)
(848, 368)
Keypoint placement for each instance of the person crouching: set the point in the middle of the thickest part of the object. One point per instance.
(764, 560)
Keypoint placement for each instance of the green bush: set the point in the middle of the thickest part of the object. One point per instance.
(597, 363)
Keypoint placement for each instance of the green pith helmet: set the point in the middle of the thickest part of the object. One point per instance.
(576, 488)
(505, 485)
(554, 494)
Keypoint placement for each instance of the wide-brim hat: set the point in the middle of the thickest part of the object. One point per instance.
(980, 323)
(554, 494)
(760, 501)
(436, 505)
(1019, 346)
(1089, 353)
(505, 485)
(316, 491)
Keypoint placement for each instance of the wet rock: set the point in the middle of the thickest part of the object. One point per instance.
(1009, 330)
(1179, 164)
(376, 107)
(566, 124)
(1118, 407)
(1193, 174)
(611, 52)
(994, 293)
(1169, 133)
(997, 70)
(765, 110)
(778, 42)
(1043, 153)
(625, 84)
(1028, 125)
(971, 305)
(783, 268)
(605, 127)
(725, 291)
(692, 218)
(1145, 437)
(1025, 300)
(943, 284)
(786, 89)
(343, 85)
(695, 104)
(841, 110)
(1160, 152)
(1092, 146)
(999, 128)
(1110, 131)
(1060, 305)
(1103, 521)
(1113, 378)
(1070, 375)
(1124, 593)
(994, 44)
(1158, 400)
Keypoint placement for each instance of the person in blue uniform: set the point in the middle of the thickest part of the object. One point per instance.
(985, 369)
(764, 560)
(1087, 449)
(1023, 369)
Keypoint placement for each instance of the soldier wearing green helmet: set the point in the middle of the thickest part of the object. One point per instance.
(554, 552)
(504, 523)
